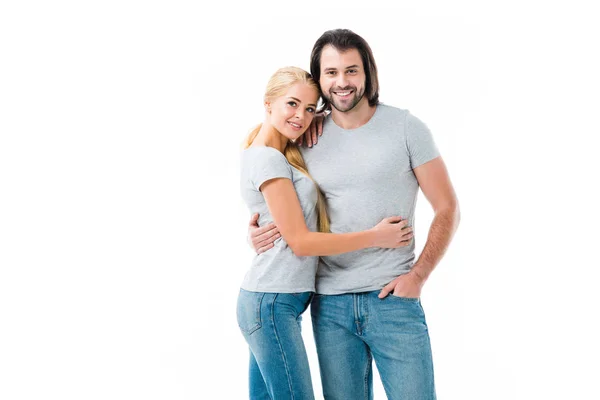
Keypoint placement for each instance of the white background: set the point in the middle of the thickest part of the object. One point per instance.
(122, 232)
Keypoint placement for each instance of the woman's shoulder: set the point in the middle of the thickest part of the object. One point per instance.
(263, 155)
(260, 163)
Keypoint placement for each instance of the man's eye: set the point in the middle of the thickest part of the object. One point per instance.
(330, 72)
(352, 71)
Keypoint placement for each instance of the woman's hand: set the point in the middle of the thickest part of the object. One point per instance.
(392, 232)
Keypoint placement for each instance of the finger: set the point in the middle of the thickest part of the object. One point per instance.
(386, 290)
(265, 248)
(264, 229)
(320, 125)
(265, 236)
(313, 132)
(405, 243)
(254, 220)
(308, 138)
(393, 220)
(267, 241)
(300, 140)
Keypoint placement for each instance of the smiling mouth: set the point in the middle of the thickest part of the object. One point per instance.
(294, 125)
(343, 94)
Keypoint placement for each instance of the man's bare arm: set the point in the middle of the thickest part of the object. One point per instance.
(435, 183)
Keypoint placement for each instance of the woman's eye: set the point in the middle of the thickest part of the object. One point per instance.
(310, 110)
(292, 103)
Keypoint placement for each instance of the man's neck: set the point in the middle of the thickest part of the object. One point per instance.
(355, 118)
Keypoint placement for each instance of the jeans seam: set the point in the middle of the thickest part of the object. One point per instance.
(285, 363)
(369, 363)
(366, 314)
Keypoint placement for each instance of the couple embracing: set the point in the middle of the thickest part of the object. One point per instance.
(332, 228)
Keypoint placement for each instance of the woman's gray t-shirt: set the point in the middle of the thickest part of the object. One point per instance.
(279, 269)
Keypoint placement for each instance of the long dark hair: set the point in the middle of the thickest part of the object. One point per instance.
(343, 40)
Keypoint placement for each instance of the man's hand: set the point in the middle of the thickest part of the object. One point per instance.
(407, 285)
(315, 129)
(261, 239)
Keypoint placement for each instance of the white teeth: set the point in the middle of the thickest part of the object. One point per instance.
(295, 125)
(342, 93)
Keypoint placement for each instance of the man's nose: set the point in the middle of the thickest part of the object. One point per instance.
(341, 81)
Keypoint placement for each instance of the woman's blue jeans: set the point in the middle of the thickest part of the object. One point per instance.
(270, 323)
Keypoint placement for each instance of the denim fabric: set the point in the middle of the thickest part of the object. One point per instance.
(270, 323)
(353, 329)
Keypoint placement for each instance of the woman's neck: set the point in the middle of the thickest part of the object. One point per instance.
(270, 137)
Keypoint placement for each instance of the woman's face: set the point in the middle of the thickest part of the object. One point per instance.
(292, 113)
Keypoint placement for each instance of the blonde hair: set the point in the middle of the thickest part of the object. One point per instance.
(278, 85)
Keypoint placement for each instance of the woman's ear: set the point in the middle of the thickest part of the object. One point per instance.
(268, 107)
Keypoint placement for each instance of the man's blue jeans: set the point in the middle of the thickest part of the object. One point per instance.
(270, 323)
(353, 329)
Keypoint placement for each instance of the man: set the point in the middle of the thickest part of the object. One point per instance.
(370, 162)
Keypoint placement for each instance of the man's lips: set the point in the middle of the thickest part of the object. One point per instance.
(343, 93)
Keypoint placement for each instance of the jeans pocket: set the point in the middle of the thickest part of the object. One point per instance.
(248, 311)
(410, 299)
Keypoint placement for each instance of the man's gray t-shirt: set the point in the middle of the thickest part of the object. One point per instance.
(278, 270)
(366, 174)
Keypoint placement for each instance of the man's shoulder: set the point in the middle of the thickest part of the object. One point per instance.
(383, 109)
(391, 111)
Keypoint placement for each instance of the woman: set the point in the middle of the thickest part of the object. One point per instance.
(280, 283)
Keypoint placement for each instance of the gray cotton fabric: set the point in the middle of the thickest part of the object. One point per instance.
(366, 174)
(277, 270)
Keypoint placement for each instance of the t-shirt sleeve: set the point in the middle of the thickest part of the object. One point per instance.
(267, 164)
(419, 142)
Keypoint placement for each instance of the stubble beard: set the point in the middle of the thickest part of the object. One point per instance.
(340, 107)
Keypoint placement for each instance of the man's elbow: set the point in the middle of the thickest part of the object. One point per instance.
(451, 212)
(454, 211)
(456, 214)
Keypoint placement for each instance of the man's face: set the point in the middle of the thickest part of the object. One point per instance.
(342, 77)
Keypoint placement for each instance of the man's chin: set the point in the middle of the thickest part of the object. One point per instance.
(343, 107)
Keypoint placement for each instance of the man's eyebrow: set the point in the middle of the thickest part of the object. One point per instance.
(299, 101)
(348, 67)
